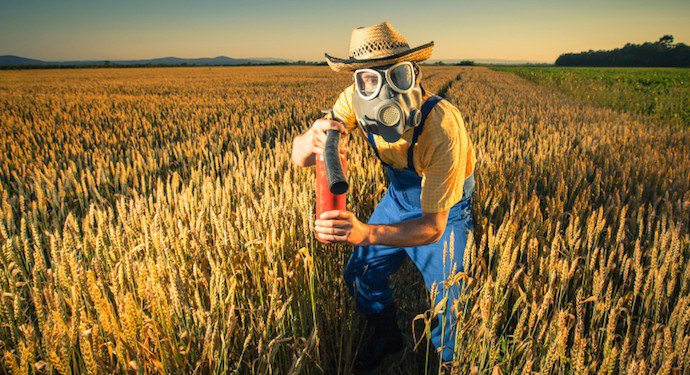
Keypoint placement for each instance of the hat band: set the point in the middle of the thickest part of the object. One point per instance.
(394, 56)
(379, 46)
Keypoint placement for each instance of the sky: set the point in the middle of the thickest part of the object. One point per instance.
(533, 30)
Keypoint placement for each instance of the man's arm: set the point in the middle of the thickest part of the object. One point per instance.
(303, 150)
(344, 227)
(421, 231)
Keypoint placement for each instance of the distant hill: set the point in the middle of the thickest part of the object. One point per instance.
(662, 53)
(18, 61)
(11, 61)
(483, 61)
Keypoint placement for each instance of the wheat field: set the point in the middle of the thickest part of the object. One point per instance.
(152, 222)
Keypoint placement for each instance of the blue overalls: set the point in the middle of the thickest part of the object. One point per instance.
(368, 270)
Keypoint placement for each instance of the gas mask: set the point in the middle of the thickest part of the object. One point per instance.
(388, 101)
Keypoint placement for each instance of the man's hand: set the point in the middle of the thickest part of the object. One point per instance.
(306, 146)
(317, 133)
(341, 227)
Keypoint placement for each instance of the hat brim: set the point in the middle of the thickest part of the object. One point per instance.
(420, 53)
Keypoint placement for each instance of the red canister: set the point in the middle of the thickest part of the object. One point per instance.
(325, 200)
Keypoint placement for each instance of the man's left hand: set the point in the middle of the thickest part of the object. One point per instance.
(341, 227)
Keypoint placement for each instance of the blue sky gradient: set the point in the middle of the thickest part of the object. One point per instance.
(491, 29)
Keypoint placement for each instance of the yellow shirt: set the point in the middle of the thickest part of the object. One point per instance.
(443, 156)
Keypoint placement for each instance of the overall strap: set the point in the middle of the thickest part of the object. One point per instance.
(376, 150)
(426, 109)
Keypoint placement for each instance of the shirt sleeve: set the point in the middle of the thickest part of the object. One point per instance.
(342, 109)
(443, 159)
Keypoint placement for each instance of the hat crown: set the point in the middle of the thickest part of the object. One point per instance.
(378, 45)
(376, 41)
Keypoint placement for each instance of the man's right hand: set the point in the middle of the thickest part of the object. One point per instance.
(317, 133)
(309, 144)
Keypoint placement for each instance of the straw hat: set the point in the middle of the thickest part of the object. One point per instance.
(377, 45)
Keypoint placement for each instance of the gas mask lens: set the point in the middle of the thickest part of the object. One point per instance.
(400, 77)
(368, 82)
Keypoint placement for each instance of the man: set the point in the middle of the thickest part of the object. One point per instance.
(424, 146)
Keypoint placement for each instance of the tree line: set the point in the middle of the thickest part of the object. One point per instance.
(662, 53)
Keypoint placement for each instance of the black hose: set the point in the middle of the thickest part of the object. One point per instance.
(331, 158)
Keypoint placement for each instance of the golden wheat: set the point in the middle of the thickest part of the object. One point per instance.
(151, 220)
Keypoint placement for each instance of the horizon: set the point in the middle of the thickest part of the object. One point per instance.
(531, 31)
(266, 58)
